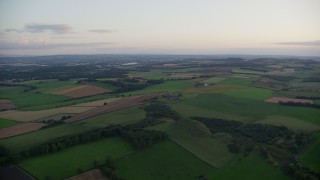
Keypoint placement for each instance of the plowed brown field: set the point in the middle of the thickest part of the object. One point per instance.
(6, 104)
(114, 106)
(20, 129)
(82, 91)
(285, 100)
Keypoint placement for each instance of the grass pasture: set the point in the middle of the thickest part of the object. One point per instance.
(197, 139)
(165, 160)
(235, 80)
(75, 158)
(125, 116)
(250, 93)
(251, 167)
(291, 123)
(168, 86)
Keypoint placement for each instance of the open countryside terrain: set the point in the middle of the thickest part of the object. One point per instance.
(161, 117)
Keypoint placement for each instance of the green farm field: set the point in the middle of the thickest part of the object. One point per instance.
(67, 162)
(311, 157)
(251, 167)
(7, 123)
(198, 140)
(165, 160)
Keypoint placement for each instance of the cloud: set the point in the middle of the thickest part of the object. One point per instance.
(65, 37)
(42, 44)
(54, 28)
(102, 31)
(40, 28)
(306, 43)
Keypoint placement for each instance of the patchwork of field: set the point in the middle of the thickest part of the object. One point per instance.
(75, 158)
(245, 109)
(25, 116)
(20, 129)
(116, 105)
(249, 93)
(285, 100)
(82, 91)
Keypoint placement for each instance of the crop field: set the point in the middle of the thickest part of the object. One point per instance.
(6, 123)
(282, 99)
(157, 162)
(82, 91)
(75, 158)
(20, 129)
(6, 105)
(25, 116)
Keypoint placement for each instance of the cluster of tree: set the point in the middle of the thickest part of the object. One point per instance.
(315, 79)
(138, 138)
(265, 133)
(131, 84)
(255, 69)
(109, 169)
(65, 72)
(68, 141)
(298, 172)
(219, 125)
(52, 122)
(262, 133)
(308, 97)
(291, 103)
(281, 78)
(160, 110)
(141, 138)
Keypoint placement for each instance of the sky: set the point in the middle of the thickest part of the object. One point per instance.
(252, 27)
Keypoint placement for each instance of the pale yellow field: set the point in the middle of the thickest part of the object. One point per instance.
(25, 116)
(96, 103)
